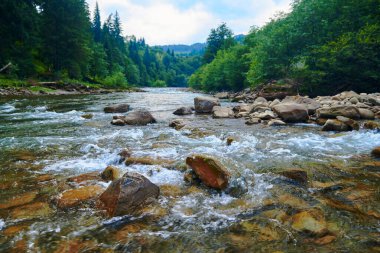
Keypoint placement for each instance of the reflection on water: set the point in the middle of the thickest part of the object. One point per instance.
(47, 135)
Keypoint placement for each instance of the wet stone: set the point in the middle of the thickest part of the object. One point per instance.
(111, 173)
(31, 211)
(297, 175)
(75, 197)
(19, 200)
(310, 222)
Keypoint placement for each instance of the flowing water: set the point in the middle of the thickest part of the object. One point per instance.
(44, 141)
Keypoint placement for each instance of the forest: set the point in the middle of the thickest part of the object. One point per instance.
(321, 46)
(57, 40)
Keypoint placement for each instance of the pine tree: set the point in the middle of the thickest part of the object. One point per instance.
(97, 25)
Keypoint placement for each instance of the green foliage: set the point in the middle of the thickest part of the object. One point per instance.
(117, 80)
(55, 40)
(324, 46)
(159, 83)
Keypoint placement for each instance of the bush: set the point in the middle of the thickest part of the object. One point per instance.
(117, 80)
(159, 83)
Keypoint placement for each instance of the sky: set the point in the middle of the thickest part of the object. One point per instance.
(163, 22)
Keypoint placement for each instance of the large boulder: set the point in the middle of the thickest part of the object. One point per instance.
(120, 108)
(332, 112)
(366, 113)
(292, 112)
(211, 172)
(129, 194)
(183, 111)
(139, 117)
(354, 125)
(222, 112)
(311, 104)
(205, 104)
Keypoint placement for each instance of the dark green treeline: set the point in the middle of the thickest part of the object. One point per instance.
(55, 39)
(322, 46)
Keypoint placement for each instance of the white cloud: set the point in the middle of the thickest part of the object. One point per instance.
(185, 21)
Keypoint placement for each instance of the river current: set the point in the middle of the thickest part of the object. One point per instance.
(47, 135)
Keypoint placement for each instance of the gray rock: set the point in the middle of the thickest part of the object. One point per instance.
(291, 112)
(205, 104)
(219, 112)
(139, 118)
(121, 108)
(332, 112)
(183, 111)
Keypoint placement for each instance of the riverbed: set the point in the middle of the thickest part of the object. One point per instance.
(45, 140)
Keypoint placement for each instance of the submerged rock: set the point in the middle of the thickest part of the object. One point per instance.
(291, 112)
(31, 211)
(111, 173)
(310, 222)
(120, 108)
(205, 104)
(332, 112)
(297, 175)
(129, 194)
(138, 118)
(212, 173)
(183, 111)
(75, 197)
(124, 154)
(219, 112)
(88, 116)
(19, 200)
(230, 140)
(92, 176)
(376, 152)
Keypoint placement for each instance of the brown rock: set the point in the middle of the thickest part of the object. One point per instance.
(124, 154)
(296, 174)
(354, 125)
(19, 200)
(31, 211)
(92, 176)
(376, 152)
(129, 194)
(111, 173)
(310, 221)
(335, 125)
(88, 116)
(121, 108)
(177, 124)
(230, 140)
(210, 171)
(150, 161)
(291, 112)
(372, 125)
(71, 198)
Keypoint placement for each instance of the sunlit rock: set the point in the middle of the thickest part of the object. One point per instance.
(212, 173)
(110, 173)
(219, 112)
(336, 125)
(291, 112)
(129, 194)
(366, 113)
(276, 122)
(75, 197)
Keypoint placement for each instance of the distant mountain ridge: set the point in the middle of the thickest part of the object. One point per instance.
(194, 49)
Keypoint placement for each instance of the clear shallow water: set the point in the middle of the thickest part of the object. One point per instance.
(47, 135)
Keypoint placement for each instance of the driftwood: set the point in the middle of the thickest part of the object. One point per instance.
(5, 67)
